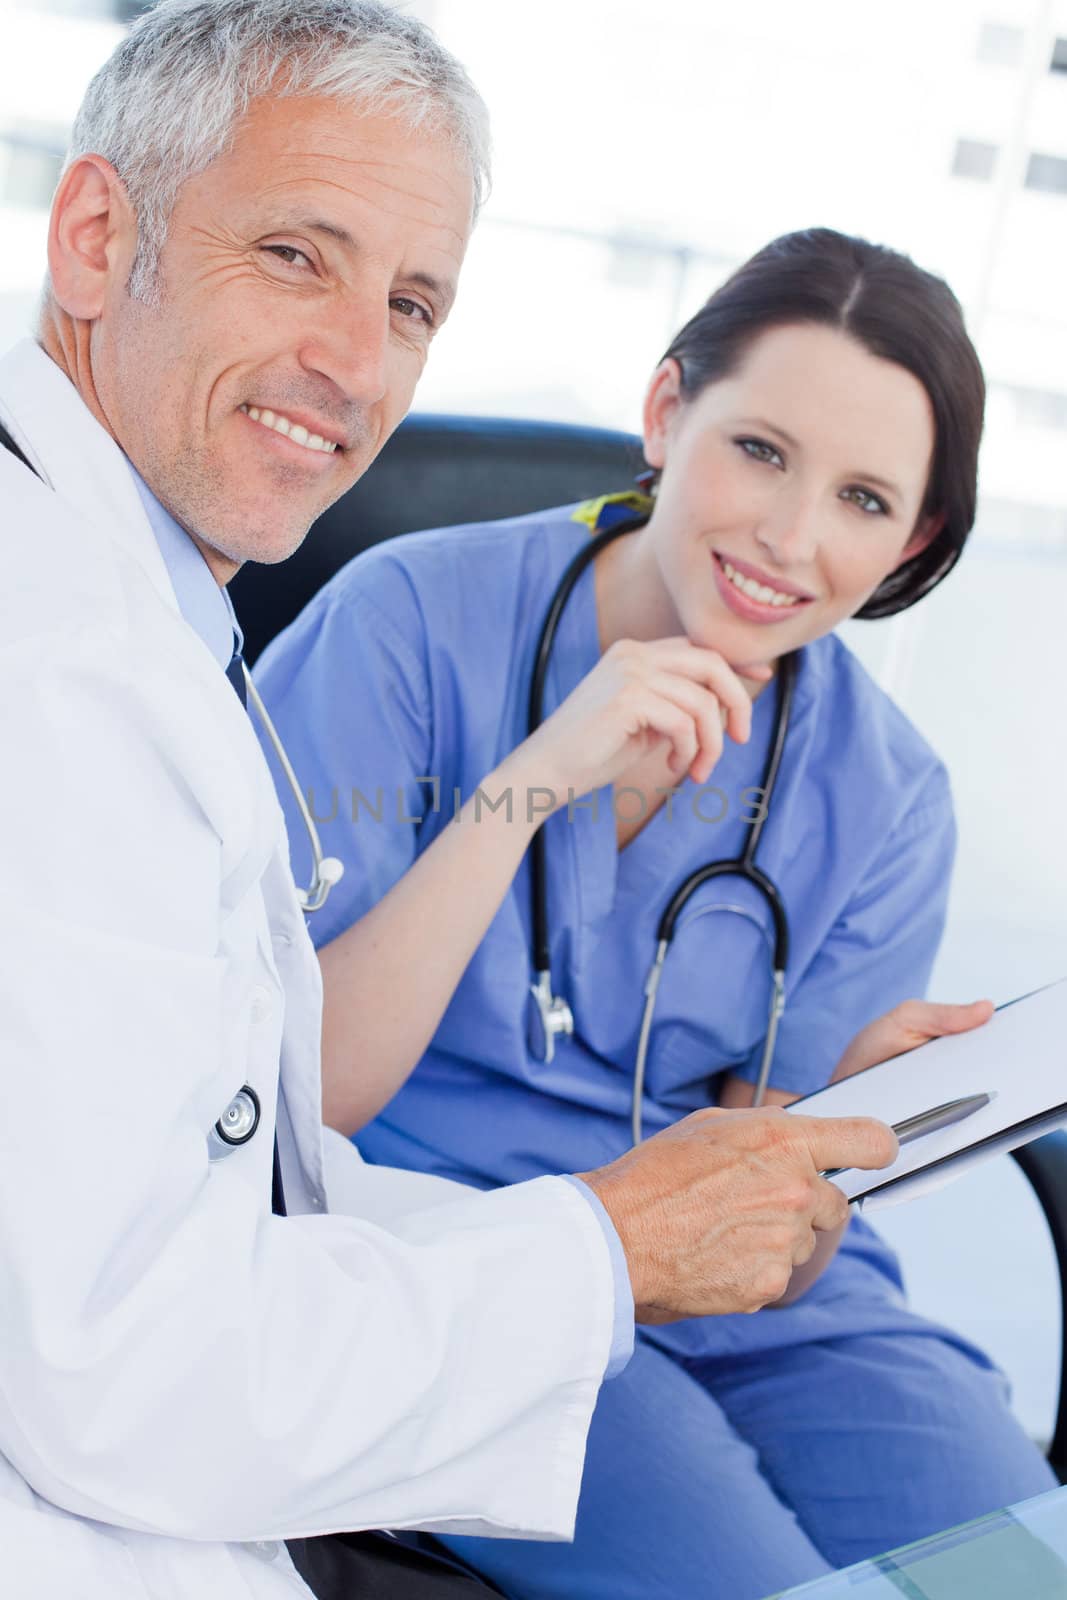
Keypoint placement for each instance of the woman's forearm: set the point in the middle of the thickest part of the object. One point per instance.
(388, 979)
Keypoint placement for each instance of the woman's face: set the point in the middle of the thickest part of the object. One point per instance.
(788, 490)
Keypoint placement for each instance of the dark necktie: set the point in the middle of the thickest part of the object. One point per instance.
(236, 675)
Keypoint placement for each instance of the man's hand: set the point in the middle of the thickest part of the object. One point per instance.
(912, 1023)
(715, 1212)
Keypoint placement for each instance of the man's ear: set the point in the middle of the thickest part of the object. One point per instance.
(926, 531)
(92, 236)
(662, 400)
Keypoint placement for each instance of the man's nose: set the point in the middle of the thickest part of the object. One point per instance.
(789, 532)
(351, 348)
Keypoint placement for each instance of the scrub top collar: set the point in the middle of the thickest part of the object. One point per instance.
(204, 604)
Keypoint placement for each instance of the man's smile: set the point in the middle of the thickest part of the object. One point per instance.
(289, 428)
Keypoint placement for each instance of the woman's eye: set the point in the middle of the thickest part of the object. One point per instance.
(287, 253)
(410, 308)
(872, 504)
(760, 450)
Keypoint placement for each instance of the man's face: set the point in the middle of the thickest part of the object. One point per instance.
(304, 274)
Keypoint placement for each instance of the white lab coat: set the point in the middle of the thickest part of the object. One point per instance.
(185, 1379)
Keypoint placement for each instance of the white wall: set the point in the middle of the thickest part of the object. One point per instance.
(984, 674)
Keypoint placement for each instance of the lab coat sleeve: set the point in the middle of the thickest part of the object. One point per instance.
(879, 952)
(175, 1358)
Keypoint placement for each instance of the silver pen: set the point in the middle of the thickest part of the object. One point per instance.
(943, 1116)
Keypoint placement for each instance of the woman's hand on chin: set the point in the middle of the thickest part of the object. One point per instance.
(639, 695)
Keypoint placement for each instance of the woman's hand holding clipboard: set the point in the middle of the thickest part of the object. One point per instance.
(960, 1098)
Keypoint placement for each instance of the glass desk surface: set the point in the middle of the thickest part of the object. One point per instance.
(1016, 1554)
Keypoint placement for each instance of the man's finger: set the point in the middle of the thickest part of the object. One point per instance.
(805, 1246)
(848, 1142)
(831, 1207)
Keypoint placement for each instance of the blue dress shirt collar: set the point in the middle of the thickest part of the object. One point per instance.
(206, 606)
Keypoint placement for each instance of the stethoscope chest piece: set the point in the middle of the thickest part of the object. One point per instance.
(240, 1119)
(551, 1017)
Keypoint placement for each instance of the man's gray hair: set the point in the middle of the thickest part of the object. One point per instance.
(166, 102)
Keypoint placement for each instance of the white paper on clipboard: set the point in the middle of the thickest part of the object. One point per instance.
(1019, 1056)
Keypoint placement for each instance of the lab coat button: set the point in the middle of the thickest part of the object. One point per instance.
(261, 1003)
(266, 1549)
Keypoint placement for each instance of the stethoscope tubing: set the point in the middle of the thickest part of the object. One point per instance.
(325, 870)
(743, 866)
(535, 715)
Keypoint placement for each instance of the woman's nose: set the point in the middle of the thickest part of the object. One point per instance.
(789, 533)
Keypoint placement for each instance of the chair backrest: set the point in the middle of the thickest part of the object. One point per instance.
(435, 471)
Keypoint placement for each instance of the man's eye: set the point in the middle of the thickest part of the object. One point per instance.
(287, 253)
(760, 450)
(411, 308)
(872, 504)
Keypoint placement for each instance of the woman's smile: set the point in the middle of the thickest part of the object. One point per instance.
(752, 594)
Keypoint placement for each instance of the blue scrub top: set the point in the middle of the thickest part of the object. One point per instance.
(413, 665)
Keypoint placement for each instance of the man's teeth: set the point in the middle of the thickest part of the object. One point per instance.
(758, 591)
(292, 430)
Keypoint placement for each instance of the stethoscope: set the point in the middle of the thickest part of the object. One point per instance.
(325, 870)
(554, 1015)
(242, 1116)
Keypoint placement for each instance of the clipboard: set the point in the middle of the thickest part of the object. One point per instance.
(1019, 1056)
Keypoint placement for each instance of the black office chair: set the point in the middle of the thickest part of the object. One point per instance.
(440, 470)
(436, 471)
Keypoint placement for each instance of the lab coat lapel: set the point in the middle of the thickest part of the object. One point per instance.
(76, 456)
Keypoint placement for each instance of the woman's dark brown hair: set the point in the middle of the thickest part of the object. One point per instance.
(895, 310)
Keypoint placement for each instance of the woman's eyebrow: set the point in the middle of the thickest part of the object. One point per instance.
(868, 477)
(879, 483)
(771, 427)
